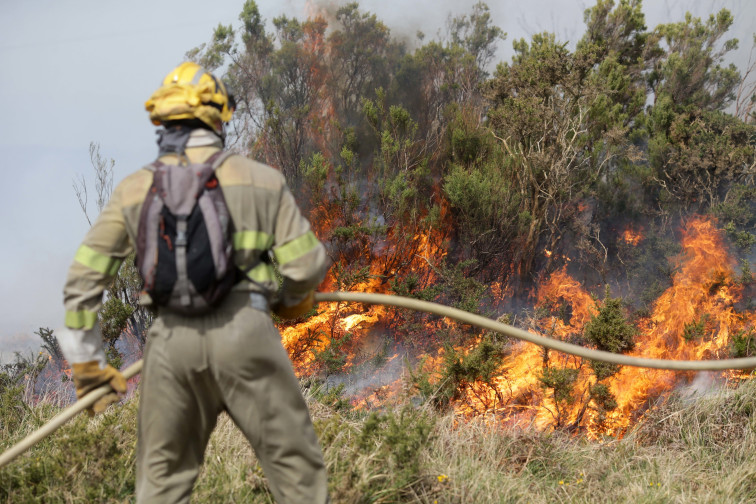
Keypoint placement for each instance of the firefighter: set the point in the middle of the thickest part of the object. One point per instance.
(231, 359)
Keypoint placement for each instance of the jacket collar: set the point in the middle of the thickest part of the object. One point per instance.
(201, 137)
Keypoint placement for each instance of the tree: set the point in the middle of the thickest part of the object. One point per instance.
(541, 115)
(476, 35)
(703, 154)
(617, 37)
(278, 88)
(361, 57)
(485, 202)
(689, 71)
(696, 150)
(401, 170)
(121, 309)
(449, 73)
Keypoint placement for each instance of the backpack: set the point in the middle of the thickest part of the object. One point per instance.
(184, 249)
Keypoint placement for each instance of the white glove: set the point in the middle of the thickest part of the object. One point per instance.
(81, 345)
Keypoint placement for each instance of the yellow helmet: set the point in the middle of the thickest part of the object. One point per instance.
(189, 92)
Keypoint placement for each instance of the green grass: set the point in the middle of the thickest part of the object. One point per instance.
(689, 449)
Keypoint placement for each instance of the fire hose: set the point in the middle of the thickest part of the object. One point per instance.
(416, 305)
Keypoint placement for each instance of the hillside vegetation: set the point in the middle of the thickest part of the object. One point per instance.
(576, 189)
(689, 449)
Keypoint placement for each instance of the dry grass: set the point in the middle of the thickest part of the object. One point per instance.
(231, 473)
(698, 450)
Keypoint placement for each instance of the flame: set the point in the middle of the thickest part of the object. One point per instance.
(702, 296)
(703, 293)
(632, 236)
(693, 319)
(355, 320)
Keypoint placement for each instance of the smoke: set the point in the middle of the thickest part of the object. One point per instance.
(704, 384)
(525, 19)
(383, 363)
(370, 376)
(20, 343)
(406, 20)
(52, 386)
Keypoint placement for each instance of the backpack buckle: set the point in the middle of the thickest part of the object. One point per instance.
(181, 238)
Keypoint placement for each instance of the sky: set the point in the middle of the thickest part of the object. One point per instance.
(79, 71)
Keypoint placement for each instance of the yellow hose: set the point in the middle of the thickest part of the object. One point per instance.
(561, 346)
(417, 305)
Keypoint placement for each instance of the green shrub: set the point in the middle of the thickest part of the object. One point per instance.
(333, 356)
(460, 371)
(379, 459)
(743, 344)
(87, 460)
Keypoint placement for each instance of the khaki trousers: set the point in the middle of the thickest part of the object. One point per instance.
(230, 360)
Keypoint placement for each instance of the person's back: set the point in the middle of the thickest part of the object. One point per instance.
(230, 359)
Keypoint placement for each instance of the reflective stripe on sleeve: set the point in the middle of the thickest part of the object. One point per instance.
(83, 319)
(99, 262)
(252, 240)
(296, 248)
(262, 273)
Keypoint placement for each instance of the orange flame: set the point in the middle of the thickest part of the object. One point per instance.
(693, 319)
(702, 296)
(632, 236)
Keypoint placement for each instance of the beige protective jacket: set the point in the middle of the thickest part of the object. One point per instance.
(265, 217)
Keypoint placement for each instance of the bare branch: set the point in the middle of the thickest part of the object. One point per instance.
(80, 189)
(103, 181)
